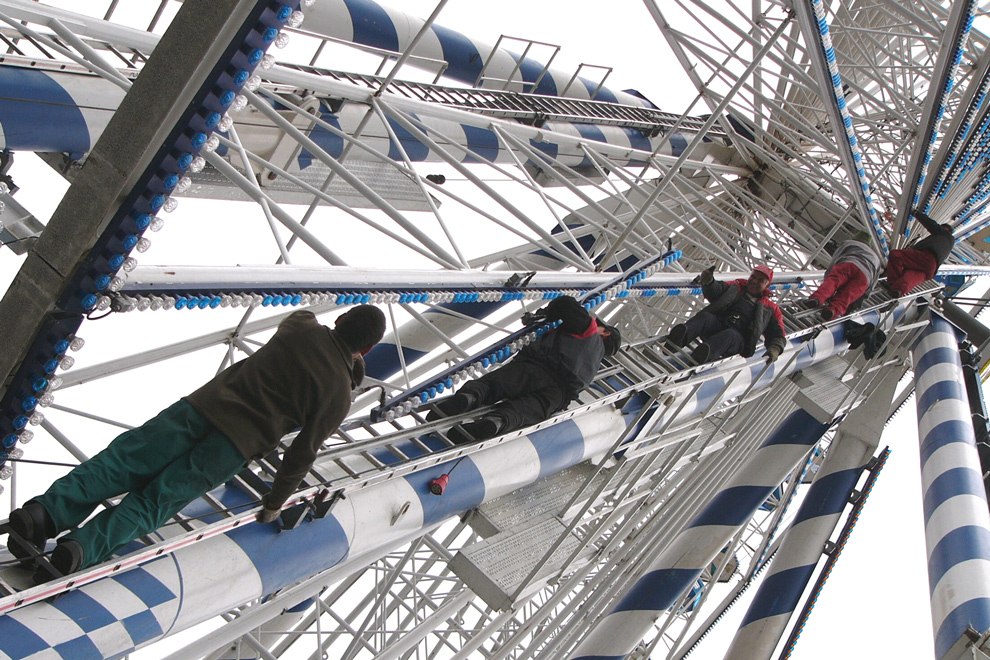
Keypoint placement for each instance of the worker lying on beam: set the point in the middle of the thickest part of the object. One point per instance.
(850, 277)
(540, 380)
(739, 313)
(911, 266)
(302, 378)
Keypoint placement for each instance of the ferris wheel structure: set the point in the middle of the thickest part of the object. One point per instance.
(229, 162)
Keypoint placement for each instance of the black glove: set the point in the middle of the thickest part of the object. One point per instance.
(772, 354)
(706, 276)
(533, 318)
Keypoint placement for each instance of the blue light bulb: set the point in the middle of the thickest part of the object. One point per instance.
(284, 13)
(116, 261)
(255, 56)
(199, 139)
(143, 221)
(39, 384)
(170, 181)
(102, 282)
(19, 422)
(227, 98)
(185, 160)
(269, 35)
(61, 346)
(156, 202)
(241, 77)
(29, 403)
(9, 441)
(130, 241)
(213, 119)
(89, 301)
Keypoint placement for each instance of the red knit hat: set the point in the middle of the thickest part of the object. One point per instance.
(766, 270)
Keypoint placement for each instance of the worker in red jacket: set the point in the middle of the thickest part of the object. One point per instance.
(740, 313)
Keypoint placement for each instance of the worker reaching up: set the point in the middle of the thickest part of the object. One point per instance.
(740, 313)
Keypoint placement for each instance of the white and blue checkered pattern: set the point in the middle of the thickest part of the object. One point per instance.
(957, 523)
(107, 619)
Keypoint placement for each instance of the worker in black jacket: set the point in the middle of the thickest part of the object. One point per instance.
(740, 313)
(911, 266)
(541, 380)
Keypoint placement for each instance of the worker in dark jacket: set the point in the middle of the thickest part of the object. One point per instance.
(851, 275)
(541, 379)
(739, 314)
(911, 266)
(302, 378)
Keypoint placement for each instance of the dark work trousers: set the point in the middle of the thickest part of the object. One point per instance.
(722, 339)
(526, 393)
(162, 465)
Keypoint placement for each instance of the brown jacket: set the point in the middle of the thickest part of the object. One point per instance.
(301, 378)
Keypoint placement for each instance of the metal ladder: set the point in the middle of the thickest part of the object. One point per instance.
(367, 455)
(531, 109)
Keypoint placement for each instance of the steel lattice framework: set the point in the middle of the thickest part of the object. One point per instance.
(363, 167)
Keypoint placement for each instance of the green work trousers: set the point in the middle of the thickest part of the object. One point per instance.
(162, 465)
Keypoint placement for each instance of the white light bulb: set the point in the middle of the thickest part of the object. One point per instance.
(26, 436)
(181, 187)
(282, 40)
(253, 83)
(4, 188)
(225, 123)
(156, 224)
(170, 205)
(36, 418)
(66, 362)
(295, 19)
(211, 144)
(6, 472)
(143, 245)
(45, 400)
(103, 304)
(116, 284)
(144, 304)
(130, 263)
(197, 165)
(268, 61)
(240, 102)
(76, 344)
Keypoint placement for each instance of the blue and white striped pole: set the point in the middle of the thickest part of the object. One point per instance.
(801, 546)
(680, 564)
(957, 523)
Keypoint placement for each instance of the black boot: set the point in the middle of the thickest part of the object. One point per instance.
(67, 558)
(487, 427)
(676, 335)
(702, 354)
(32, 523)
(454, 405)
